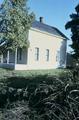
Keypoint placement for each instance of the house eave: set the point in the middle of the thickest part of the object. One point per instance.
(44, 32)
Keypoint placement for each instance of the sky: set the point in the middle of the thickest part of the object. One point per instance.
(55, 12)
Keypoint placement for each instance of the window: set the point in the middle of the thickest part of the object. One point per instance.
(58, 56)
(47, 54)
(20, 54)
(36, 54)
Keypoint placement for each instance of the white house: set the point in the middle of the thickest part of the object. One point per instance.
(47, 50)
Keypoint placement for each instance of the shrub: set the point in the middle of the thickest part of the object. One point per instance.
(39, 98)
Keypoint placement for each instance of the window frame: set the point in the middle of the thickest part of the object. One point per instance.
(36, 54)
(20, 53)
(47, 54)
(58, 56)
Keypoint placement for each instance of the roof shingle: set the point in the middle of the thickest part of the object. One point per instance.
(48, 28)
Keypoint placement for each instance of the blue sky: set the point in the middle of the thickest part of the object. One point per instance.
(55, 12)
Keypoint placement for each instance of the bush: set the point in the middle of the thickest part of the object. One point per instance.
(39, 98)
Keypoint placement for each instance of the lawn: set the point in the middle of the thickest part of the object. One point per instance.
(20, 79)
(43, 94)
(4, 73)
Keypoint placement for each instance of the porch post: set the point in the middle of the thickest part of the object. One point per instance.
(8, 57)
(16, 56)
(2, 58)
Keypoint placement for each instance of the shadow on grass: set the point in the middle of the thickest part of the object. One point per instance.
(23, 82)
(27, 86)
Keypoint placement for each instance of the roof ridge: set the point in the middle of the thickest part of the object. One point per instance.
(48, 28)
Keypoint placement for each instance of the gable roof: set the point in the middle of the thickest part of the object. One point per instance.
(47, 28)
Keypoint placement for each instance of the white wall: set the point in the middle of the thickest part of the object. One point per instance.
(45, 41)
(63, 53)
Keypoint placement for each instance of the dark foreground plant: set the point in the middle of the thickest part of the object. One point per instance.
(40, 98)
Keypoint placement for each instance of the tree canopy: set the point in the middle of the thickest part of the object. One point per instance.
(74, 26)
(15, 22)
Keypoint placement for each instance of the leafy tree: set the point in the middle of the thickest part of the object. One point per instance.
(15, 22)
(74, 26)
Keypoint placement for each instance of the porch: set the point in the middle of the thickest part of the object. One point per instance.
(10, 59)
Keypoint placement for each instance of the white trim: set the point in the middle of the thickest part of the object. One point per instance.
(16, 56)
(44, 32)
(2, 43)
(8, 57)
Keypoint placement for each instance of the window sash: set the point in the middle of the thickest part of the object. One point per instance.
(36, 54)
(47, 54)
(20, 54)
(58, 56)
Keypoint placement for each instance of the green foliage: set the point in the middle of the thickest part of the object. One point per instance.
(15, 22)
(74, 26)
(4, 73)
(39, 97)
(60, 102)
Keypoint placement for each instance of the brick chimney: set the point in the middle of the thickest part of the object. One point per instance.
(41, 19)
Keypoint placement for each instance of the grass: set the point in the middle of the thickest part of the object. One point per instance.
(4, 73)
(21, 79)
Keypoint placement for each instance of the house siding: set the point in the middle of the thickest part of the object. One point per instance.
(44, 41)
